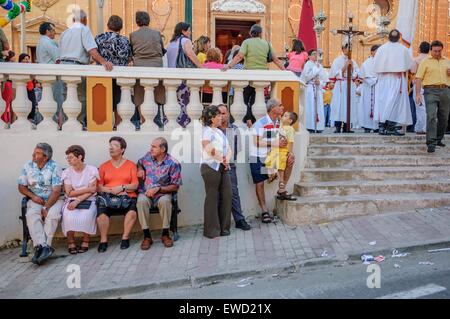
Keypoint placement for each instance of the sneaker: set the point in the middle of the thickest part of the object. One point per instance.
(146, 243)
(47, 251)
(125, 244)
(440, 144)
(102, 247)
(242, 224)
(37, 253)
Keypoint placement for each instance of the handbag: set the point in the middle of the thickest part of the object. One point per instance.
(269, 54)
(86, 204)
(183, 61)
(114, 201)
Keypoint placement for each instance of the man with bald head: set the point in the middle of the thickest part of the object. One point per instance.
(160, 176)
(391, 63)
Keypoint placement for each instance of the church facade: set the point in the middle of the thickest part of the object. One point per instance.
(227, 22)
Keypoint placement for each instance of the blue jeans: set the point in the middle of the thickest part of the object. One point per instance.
(236, 208)
(327, 110)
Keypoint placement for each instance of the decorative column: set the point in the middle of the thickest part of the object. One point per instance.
(47, 105)
(259, 108)
(172, 108)
(217, 87)
(72, 106)
(21, 104)
(195, 106)
(238, 108)
(149, 108)
(126, 107)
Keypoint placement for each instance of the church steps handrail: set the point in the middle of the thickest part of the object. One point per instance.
(147, 72)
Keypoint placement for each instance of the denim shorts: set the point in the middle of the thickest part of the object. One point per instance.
(258, 170)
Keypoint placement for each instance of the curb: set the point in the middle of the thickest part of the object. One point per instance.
(290, 267)
(201, 281)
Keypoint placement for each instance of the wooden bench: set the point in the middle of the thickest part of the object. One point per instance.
(153, 210)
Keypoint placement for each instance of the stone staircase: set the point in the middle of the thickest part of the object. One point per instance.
(353, 175)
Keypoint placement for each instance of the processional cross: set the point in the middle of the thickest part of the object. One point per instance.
(349, 33)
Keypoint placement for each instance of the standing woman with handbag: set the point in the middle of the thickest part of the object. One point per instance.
(181, 55)
(117, 193)
(79, 211)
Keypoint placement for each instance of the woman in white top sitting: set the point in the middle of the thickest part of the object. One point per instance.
(79, 211)
(215, 167)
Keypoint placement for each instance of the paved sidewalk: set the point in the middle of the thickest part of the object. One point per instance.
(194, 258)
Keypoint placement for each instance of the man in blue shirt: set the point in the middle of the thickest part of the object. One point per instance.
(231, 131)
(40, 181)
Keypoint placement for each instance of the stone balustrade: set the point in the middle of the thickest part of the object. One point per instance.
(126, 78)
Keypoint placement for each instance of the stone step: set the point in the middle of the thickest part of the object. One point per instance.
(345, 188)
(366, 139)
(370, 161)
(322, 209)
(310, 175)
(371, 149)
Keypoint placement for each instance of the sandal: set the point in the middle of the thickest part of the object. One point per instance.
(265, 218)
(286, 196)
(83, 249)
(72, 250)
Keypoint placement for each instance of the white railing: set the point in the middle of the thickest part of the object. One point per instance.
(126, 77)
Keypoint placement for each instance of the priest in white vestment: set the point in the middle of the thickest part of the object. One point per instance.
(392, 107)
(368, 87)
(338, 74)
(315, 77)
(421, 112)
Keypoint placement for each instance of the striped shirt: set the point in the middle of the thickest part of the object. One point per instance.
(266, 129)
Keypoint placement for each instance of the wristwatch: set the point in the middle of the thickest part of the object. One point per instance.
(123, 188)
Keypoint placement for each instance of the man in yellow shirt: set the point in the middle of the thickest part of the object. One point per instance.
(434, 75)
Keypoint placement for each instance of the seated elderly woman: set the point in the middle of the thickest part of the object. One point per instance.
(117, 193)
(40, 181)
(79, 211)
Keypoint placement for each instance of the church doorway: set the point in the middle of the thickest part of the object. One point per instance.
(231, 32)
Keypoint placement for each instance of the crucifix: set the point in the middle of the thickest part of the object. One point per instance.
(349, 33)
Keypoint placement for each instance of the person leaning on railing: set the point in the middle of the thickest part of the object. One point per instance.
(116, 49)
(77, 46)
(258, 53)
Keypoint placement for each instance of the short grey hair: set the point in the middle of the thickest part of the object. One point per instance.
(78, 15)
(163, 143)
(47, 149)
(271, 104)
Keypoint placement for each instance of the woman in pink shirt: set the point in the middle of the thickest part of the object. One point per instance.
(213, 61)
(297, 57)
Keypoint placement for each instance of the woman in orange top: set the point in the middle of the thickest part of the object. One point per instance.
(118, 177)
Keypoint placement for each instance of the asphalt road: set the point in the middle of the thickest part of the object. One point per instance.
(400, 278)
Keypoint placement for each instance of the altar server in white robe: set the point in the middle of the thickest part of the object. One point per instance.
(368, 87)
(338, 74)
(392, 63)
(315, 77)
(421, 112)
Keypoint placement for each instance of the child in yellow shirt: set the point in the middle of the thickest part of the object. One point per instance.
(276, 160)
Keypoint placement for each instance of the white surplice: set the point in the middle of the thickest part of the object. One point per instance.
(367, 100)
(392, 62)
(314, 95)
(339, 100)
